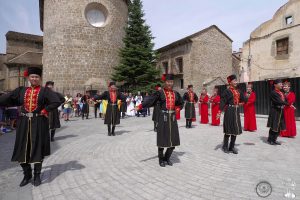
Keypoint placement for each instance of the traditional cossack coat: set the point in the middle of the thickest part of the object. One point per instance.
(190, 98)
(230, 103)
(53, 115)
(112, 116)
(167, 129)
(32, 142)
(276, 115)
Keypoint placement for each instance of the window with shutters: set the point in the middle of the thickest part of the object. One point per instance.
(181, 84)
(282, 46)
(179, 64)
(165, 67)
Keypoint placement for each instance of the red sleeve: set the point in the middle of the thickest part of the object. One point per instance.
(291, 98)
(205, 100)
(44, 112)
(140, 107)
(252, 98)
(217, 100)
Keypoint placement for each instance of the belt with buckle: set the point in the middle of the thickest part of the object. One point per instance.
(168, 111)
(235, 106)
(30, 115)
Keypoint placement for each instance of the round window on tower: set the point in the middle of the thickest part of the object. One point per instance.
(96, 14)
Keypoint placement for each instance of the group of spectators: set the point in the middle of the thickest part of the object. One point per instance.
(78, 106)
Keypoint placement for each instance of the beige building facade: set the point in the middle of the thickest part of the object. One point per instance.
(274, 47)
(22, 51)
(203, 59)
(82, 39)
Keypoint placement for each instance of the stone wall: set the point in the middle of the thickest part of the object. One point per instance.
(207, 60)
(262, 48)
(2, 71)
(19, 43)
(78, 56)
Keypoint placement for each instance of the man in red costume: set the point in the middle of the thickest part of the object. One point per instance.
(190, 99)
(215, 107)
(113, 115)
(167, 128)
(276, 121)
(32, 142)
(289, 112)
(204, 98)
(231, 101)
(249, 109)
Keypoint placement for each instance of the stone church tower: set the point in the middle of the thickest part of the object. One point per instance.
(82, 39)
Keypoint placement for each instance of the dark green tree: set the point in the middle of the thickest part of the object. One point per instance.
(137, 68)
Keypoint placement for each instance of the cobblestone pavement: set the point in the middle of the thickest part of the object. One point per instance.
(87, 164)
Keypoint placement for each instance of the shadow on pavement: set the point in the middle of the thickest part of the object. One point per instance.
(249, 143)
(53, 171)
(264, 139)
(219, 146)
(64, 137)
(175, 156)
(121, 132)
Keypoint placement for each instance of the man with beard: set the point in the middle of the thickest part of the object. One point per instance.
(53, 115)
(231, 99)
(190, 99)
(32, 142)
(112, 117)
(167, 128)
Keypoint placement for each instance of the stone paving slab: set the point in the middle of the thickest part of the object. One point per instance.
(87, 164)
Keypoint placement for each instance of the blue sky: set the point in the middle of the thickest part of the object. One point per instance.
(170, 20)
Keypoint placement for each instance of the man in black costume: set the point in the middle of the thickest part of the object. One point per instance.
(85, 100)
(167, 128)
(231, 100)
(276, 121)
(53, 115)
(190, 99)
(32, 142)
(112, 117)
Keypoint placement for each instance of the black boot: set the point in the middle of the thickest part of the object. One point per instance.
(27, 174)
(225, 143)
(168, 155)
(271, 137)
(109, 129)
(52, 134)
(190, 124)
(275, 136)
(232, 144)
(113, 131)
(161, 157)
(187, 124)
(37, 174)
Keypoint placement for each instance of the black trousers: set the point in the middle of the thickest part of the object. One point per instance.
(273, 135)
(27, 170)
(167, 155)
(226, 141)
(96, 107)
